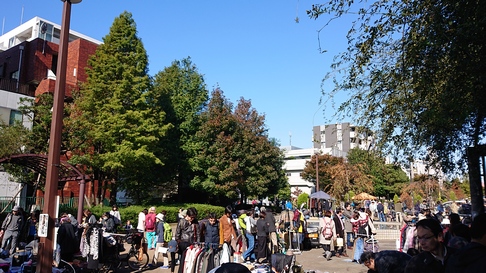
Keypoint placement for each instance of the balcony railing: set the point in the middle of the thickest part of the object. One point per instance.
(11, 86)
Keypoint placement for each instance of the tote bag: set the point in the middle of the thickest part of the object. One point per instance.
(339, 242)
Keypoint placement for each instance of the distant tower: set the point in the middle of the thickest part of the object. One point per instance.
(290, 138)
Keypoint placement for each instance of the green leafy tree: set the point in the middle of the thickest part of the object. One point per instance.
(235, 158)
(395, 179)
(303, 198)
(388, 179)
(261, 158)
(14, 139)
(414, 72)
(372, 165)
(123, 132)
(284, 192)
(216, 167)
(38, 112)
(179, 91)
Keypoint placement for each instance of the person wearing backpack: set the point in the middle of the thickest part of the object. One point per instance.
(327, 233)
(167, 231)
(250, 223)
(150, 228)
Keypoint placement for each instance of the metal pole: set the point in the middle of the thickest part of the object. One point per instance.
(82, 186)
(20, 66)
(53, 160)
(317, 172)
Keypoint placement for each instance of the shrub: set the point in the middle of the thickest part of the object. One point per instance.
(302, 199)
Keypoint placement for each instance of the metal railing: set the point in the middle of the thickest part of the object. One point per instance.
(12, 86)
(28, 202)
(387, 230)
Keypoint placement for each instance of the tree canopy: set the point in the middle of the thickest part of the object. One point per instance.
(234, 157)
(336, 176)
(361, 171)
(414, 72)
(179, 91)
(156, 137)
(123, 132)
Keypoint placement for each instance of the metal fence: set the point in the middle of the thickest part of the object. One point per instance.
(387, 230)
(28, 202)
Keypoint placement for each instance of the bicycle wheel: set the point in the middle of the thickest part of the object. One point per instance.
(66, 267)
(135, 262)
(111, 263)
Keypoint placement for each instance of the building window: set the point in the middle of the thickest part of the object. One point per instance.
(15, 116)
(11, 42)
(3, 68)
(45, 31)
(14, 75)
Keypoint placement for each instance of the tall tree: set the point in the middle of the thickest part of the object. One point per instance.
(336, 176)
(38, 112)
(216, 168)
(179, 91)
(123, 130)
(324, 161)
(387, 178)
(414, 71)
(261, 158)
(235, 158)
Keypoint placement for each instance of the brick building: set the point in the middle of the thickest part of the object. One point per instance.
(28, 65)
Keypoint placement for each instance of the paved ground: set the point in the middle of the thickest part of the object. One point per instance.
(314, 260)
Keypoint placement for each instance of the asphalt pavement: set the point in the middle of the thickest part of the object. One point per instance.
(311, 260)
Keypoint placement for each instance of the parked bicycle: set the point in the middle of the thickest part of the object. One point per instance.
(136, 258)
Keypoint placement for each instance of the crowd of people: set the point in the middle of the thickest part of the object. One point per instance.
(437, 250)
(237, 236)
(441, 242)
(20, 229)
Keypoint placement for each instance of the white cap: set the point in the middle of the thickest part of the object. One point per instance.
(445, 221)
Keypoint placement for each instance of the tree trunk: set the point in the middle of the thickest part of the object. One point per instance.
(474, 155)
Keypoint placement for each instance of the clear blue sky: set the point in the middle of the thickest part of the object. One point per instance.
(251, 49)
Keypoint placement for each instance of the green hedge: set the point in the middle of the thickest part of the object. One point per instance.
(131, 212)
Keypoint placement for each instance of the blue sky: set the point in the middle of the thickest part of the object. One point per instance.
(251, 49)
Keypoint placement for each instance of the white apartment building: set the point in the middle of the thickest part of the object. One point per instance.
(332, 139)
(38, 28)
(337, 139)
(420, 167)
(295, 159)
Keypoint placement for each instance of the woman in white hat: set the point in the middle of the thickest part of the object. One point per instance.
(160, 236)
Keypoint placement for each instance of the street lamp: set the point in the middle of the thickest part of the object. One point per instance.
(46, 244)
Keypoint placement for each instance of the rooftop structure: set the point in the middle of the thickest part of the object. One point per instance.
(38, 28)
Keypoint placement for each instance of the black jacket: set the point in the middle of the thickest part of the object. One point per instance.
(339, 226)
(471, 258)
(425, 262)
(67, 239)
(187, 232)
(391, 261)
